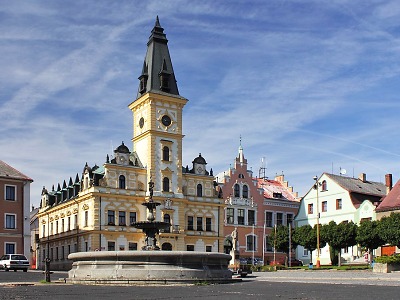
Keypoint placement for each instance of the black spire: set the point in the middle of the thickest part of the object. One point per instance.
(157, 73)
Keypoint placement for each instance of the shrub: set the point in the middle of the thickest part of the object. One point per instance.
(392, 259)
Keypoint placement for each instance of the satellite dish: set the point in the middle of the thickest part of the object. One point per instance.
(343, 171)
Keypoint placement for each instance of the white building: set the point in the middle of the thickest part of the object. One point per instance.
(339, 199)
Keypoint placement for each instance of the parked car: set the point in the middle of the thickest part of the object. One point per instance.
(293, 262)
(14, 262)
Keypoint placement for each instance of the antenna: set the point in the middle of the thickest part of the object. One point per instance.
(263, 169)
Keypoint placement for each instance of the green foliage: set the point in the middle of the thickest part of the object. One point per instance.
(389, 229)
(306, 237)
(339, 236)
(368, 235)
(392, 259)
(280, 240)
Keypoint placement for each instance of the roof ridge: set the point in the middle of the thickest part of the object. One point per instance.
(20, 174)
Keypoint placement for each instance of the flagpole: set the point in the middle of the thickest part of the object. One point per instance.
(263, 246)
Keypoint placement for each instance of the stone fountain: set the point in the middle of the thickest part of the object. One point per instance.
(151, 265)
(151, 227)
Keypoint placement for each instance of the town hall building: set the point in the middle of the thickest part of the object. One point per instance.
(95, 211)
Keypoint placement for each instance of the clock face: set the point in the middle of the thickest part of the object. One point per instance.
(141, 122)
(166, 120)
(199, 169)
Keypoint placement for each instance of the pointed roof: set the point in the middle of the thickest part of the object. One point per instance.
(157, 73)
(392, 200)
(6, 171)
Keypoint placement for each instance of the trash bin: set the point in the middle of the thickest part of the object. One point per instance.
(310, 266)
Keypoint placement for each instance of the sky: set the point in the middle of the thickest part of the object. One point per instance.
(309, 86)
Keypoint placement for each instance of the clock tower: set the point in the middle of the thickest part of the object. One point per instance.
(157, 118)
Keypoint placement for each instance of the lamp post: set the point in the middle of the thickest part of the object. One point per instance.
(318, 250)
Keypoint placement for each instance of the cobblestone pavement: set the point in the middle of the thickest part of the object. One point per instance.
(294, 284)
(362, 277)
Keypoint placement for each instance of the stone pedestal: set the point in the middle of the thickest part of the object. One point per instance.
(149, 267)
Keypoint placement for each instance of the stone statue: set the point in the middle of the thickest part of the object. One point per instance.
(151, 187)
(234, 239)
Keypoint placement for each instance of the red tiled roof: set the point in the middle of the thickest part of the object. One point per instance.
(6, 171)
(272, 187)
(392, 200)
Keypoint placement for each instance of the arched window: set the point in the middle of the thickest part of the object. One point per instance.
(324, 186)
(199, 190)
(236, 190)
(167, 219)
(165, 153)
(166, 184)
(245, 191)
(121, 181)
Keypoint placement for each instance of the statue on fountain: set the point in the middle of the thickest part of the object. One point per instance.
(151, 227)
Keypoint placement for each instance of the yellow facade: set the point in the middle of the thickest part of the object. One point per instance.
(95, 212)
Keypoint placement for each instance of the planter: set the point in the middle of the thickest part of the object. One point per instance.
(385, 268)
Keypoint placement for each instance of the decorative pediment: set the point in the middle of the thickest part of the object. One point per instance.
(166, 171)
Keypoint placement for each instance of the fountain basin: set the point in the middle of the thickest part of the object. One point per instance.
(149, 267)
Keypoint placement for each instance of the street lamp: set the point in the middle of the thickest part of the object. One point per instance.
(318, 250)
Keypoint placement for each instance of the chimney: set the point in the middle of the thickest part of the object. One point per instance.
(388, 183)
(362, 177)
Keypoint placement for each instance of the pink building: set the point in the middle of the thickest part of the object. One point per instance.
(14, 211)
(253, 206)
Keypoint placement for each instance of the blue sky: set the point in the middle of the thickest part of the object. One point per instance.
(312, 86)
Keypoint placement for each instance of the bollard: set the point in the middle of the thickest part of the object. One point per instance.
(47, 269)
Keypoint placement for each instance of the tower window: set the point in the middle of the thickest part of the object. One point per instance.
(199, 190)
(245, 191)
(165, 154)
(164, 77)
(167, 219)
(237, 190)
(122, 182)
(166, 184)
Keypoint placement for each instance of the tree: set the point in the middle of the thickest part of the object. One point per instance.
(339, 236)
(280, 240)
(389, 229)
(306, 236)
(368, 236)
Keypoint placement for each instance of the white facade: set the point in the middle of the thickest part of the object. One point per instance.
(339, 199)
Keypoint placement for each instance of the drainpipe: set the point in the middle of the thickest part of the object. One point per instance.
(100, 225)
(218, 227)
